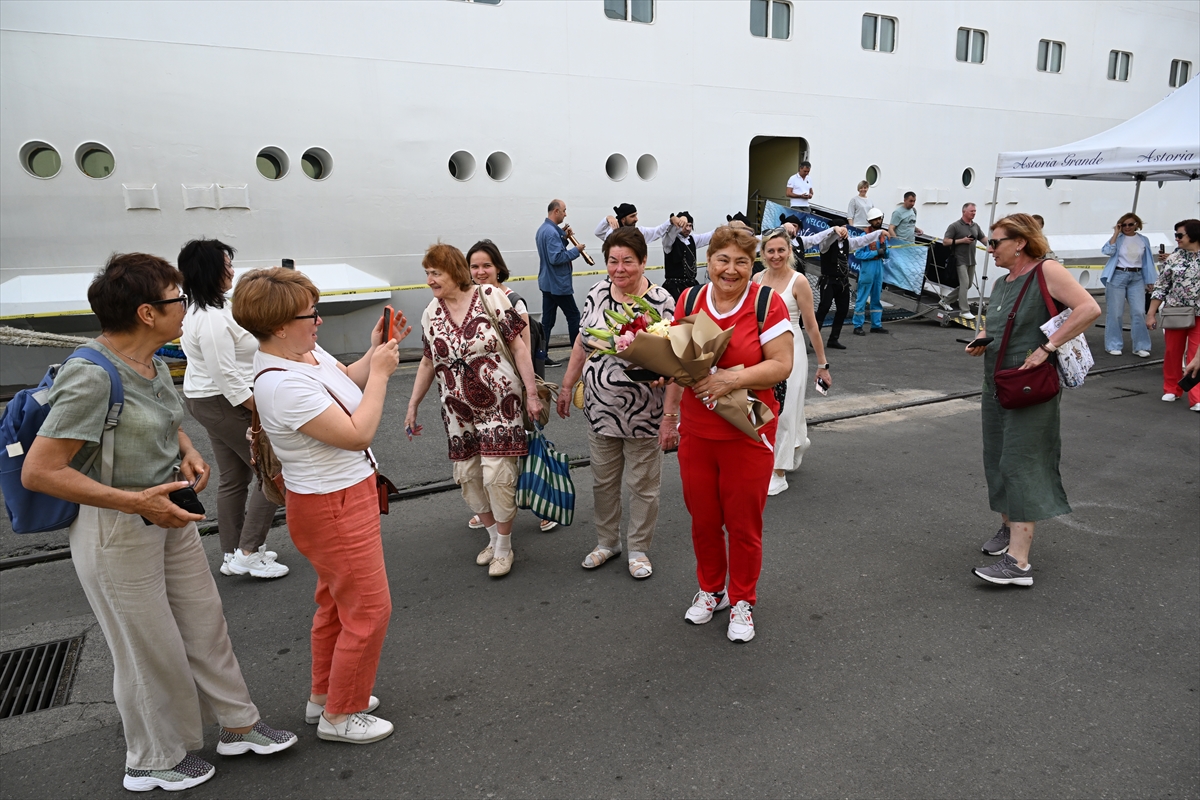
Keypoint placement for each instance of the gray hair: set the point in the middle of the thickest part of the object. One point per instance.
(967, 205)
(555, 205)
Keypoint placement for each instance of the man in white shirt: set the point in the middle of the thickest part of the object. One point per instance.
(626, 216)
(799, 187)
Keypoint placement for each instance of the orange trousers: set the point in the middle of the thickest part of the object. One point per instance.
(339, 534)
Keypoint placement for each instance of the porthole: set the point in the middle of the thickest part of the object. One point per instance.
(40, 159)
(617, 167)
(94, 160)
(1049, 182)
(647, 167)
(272, 163)
(872, 175)
(316, 163)
(968, 176)
(462, 166)
(498, 166)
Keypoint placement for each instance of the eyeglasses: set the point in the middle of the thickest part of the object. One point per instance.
(1128, 224)
(314, 316)
(182, 298)
(994, 243)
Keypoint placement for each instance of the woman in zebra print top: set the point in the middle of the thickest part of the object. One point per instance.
(626, 434)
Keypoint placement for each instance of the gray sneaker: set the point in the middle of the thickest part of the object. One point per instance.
(998, 544)
(1006, 571)
(192, 771)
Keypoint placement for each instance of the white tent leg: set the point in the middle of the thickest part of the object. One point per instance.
(986, 256)
(1137, 189)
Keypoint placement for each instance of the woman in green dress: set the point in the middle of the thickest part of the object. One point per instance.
(1022, 447)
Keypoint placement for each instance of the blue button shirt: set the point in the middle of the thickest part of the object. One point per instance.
(554, 259)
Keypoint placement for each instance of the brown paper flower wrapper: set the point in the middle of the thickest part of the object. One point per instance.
(695, 345)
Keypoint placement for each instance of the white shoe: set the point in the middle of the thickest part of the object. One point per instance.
(1142, 353)
(547, 525)
(703, 606)
(741, 622)
(1113, 352)
(1196, 407)
(268, 555)
(967, 315)
(778, 485)
(1170, 398)
(360, 728)
(313, 711)
(255, 564)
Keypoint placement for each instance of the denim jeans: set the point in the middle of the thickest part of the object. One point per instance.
(1124, 286)
(550, 305)
(870, 284)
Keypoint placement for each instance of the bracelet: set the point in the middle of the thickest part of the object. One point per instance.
(669, 415)
(1049, 348)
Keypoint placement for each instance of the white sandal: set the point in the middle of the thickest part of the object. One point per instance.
(547, 525)
(475, 523)
(599, 557)
(640, 567)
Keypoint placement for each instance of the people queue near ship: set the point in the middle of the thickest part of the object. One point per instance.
(256, 361)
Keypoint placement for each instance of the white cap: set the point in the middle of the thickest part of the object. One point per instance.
(874, 213)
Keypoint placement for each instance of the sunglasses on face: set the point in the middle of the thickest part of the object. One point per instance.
(182, 298)
(1128, 224)
(994, 243)
(1179, 236)
(314, 316)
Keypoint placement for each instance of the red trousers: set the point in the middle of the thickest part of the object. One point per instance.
(725, 488)
(339, 533)
(1181, 344)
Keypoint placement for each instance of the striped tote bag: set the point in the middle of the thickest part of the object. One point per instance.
(544, 485)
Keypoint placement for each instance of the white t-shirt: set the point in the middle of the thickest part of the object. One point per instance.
(1130, 254)
(289, 400)
(799, 186)
(220, 355)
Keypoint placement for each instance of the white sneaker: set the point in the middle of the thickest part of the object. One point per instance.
(741, 622)
(268, 555)
(1142, 353)
(1113, 352)
(313, 711)
(703, 606)
(255, 564)
(1196, 407)
(1170, 398)
(357, 728)
(964, 315)
(778, 485)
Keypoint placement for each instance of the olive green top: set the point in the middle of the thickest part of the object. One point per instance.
(1026, 335)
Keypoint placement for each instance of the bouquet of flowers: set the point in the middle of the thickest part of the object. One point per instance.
(623, 328)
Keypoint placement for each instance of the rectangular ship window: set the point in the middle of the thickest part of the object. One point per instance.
(972, 45)
(1118, 65)
(630, 10)
(771, 19)
(1180, 72)
(1050, 56)
(879, 33)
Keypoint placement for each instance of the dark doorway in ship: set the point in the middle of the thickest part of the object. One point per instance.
(773, 159)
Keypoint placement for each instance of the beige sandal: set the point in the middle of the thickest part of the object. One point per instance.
(598, 557)
(547, 525)
(475, 523)
(641, 564)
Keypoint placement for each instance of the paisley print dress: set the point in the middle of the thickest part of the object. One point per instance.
(480, 390)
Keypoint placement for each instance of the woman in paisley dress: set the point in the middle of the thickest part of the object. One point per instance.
(626, 434)
(480, 390)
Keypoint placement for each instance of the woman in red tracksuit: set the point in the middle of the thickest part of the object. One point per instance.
(725, 473)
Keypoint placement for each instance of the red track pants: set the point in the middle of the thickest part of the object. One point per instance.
(1181, 344)
(725, 488)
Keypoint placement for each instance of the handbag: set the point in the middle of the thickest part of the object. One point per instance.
(544, 485)
(1074, 356)
(1177, 317)
(547, 392)
(1020, 388)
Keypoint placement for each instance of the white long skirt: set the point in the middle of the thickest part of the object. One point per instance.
(791, 438)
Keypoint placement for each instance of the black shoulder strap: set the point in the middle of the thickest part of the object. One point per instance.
(690, 296)
(763, 305)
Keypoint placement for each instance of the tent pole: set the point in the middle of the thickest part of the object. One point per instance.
(1137, 189)
(986, 256)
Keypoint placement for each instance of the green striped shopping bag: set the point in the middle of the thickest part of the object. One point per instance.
(545, 486)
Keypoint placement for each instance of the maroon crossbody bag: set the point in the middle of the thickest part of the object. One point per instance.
(1020, 388)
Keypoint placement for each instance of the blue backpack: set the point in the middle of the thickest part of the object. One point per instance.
(34, 512)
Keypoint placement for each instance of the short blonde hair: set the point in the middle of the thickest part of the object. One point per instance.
(265, 300)
(449, 260)
(864, 185)
(727, 235)
(1023, 226)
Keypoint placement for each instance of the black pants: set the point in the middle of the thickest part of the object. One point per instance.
(550, 305)
(837, 292)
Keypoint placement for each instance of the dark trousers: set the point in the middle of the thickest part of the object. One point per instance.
(838, 293)
(550, 305)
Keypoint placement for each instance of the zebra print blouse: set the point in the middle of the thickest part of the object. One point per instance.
(613, 404)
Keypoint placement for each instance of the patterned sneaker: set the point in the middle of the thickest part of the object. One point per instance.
(703, 606)
(1006, 571)
(998, 544)
(192, 771)
(261, 739)
(741, 622)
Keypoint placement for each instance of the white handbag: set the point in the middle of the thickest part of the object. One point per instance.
(1074, 356)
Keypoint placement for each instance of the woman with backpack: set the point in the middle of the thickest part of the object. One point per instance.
(136, 552)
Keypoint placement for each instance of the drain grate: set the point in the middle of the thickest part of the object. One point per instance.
(36, 678)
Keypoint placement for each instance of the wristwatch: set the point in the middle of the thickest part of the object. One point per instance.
(823, 366)
(1049, 348)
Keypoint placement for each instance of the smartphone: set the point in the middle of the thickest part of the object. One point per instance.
(1162, 249)
(186, 499)
(1188, 381)
(982, 341)
(389, 323)
(822, 386)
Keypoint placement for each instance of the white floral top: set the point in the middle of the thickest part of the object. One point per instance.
(1179, 281)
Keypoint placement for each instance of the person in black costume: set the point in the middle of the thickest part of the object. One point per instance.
(834, 285)
(679, 255)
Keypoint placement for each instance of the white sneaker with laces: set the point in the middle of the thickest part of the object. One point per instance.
(965, 315)
(268, 555)
(778, 485)
(255, 564)
(1170, 398)
(313, 711)
(360, 728)
(703, 606)
(741, 622)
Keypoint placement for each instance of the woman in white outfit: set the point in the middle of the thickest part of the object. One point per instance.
(791, 438)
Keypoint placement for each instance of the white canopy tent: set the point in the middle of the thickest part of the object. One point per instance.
(1160, 144)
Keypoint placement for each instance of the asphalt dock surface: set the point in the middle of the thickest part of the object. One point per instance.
(882, 667)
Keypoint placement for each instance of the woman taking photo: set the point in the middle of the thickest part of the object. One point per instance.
(725, 474)
(321, 417)
(791, 437)
(488, 269)
(1022, 447)
(1128, 275)
(628, 428)
(1179, 287)
(218, 389)
(137, 554)
(466, 329)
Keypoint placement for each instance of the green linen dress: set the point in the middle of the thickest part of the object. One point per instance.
(1021, 447)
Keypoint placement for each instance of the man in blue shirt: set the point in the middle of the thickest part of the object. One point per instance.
(554, 274)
